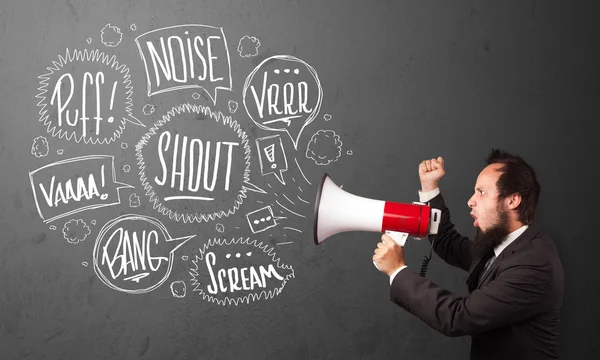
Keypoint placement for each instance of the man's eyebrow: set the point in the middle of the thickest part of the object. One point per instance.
(479, 188)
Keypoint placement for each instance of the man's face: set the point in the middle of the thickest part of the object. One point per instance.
(491, 216)
(484, 202)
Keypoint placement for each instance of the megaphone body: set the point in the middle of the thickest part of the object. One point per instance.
(338, 211)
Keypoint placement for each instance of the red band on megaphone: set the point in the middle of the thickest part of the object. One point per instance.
(409, 218)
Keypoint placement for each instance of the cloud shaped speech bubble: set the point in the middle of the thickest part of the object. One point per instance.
(135, 253)
(283, 93)
(86, 96)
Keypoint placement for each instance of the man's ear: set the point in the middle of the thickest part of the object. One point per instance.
(513, 201)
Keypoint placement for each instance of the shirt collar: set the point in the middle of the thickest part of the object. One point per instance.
(509, 239)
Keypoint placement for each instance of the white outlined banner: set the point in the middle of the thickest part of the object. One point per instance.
(73, 185)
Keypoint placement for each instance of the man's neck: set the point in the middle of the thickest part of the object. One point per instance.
(514, 234)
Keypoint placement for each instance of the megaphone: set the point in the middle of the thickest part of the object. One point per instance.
(338, 211)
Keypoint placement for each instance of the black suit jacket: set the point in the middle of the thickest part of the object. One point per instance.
(513, 313)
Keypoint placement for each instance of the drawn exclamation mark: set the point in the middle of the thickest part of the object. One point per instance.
(112, 101)
(270, 153)
(104, 196)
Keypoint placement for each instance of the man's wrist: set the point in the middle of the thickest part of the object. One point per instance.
(426, 187)
(393, 275)
(397, 269)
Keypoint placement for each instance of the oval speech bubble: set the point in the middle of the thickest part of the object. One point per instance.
(86, 95)
(134, 253)
(283, 93)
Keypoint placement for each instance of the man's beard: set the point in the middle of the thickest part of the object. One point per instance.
(486, 241)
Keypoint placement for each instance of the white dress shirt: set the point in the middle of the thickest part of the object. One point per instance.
(425, 196)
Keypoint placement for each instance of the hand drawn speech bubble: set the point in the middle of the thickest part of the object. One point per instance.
(86, 95)
(135, 253)
(184, 57)
(73, 185)
(234, 271)
(285, 96)
(271, 155)
(194, 162)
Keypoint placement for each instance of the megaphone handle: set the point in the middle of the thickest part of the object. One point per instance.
(398, 237)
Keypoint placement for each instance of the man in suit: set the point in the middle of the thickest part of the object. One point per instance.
(515, 277)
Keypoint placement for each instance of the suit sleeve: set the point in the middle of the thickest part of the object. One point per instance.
(518, 292)
(448, 244)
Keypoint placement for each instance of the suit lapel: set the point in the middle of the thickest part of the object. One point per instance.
(474, 273)
(523, 239)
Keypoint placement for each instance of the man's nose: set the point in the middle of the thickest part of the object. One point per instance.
(471, 203)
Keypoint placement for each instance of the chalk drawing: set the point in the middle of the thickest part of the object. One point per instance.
(206, 67)
(302, 172)
(180, 181)
(134, 200)
(135, 253)
(295, 213)
(178, 289)
(60, 191)
(234, 281)
(324, 147)
(40, 147)
(75, 231)
(248, 46)
(148, 109)
(111, 36)
(261, 219)
(271, 156)
(284, 102)
(301, 199)
(64, 106)
(233, 106)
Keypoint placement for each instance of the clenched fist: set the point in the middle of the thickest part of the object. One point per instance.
(430, 173)
(388, 256)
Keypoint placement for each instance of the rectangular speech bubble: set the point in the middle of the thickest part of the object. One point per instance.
(73, 185)
(271, 156)
(186, 56)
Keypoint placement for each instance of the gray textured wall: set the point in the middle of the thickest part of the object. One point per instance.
(402, 81)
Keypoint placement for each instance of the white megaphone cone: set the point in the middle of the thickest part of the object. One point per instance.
(338, 211)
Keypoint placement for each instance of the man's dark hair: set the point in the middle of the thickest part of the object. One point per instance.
(517, 177)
